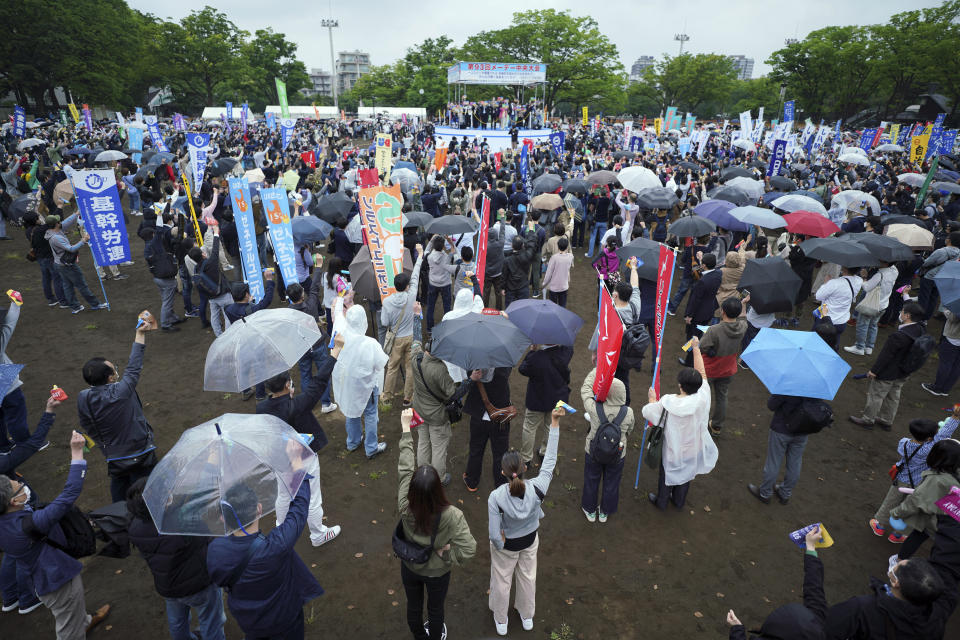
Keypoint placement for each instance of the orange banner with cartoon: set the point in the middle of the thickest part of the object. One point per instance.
(276, 206)
(381, 217)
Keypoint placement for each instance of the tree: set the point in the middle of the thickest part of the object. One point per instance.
(581, 61)
(381, 86)
(692, 82)
(267, 56)
(424, 68)
(756, 92)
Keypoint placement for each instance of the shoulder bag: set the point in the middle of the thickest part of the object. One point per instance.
(410, 551)
(870, 305)
(391, 337)
(499, 416)
(654, 451)
(453, 408)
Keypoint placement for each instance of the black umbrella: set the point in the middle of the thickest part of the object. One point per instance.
(602, 177)
(882, 247)
(309, 229)
(619, 155)
(770, 196)
(145, 171)
(759, 164)
(159, 158)
(547, 183)
(79, 151)
(949, 187)
(576, 186)
(479, 341)
(656, 198)
(691, 227)
(146, 155)
(22, 205)
(417, 218)
(900, 219)
(772, 284)
(784, 184)
(451, 225)
(737, 195)
(837, 251)
(333, 206)
(222, 166)
(362, 276)
(690, 166)
(735, 172)
(647, 251)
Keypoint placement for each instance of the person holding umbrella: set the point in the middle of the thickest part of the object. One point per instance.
(882, 279)
(837, 294)
(548, 369)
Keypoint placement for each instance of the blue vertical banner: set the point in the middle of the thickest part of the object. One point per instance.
(788, 110)
(87, 118)
(178, 123)
(286, 131)
(98, 202)
(226, 123)
(777, 158)
(229, 111)
(277, 209)
(19, 121)
(197, 144)
(139, 116)
(271, 118)
(525, 169)
(557, 141)
(243, 117)
(683, 145)
(866, 138)
(636, 144)
(948, 138)
(135, 141)
(247, 236)
(154, 130)
(938, 122)
(903, 136)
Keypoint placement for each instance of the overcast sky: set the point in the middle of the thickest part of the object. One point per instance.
(385, 28)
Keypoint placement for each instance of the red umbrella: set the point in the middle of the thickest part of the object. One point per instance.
(809, 223)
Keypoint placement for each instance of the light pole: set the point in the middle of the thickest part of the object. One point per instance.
(681, 38)
(330, 24)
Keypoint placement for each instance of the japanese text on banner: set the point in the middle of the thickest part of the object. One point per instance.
(98, 202)
(381, 218)
(277, 209)
(197, 144)
(154, 129)
(384, 157)
(246, 236)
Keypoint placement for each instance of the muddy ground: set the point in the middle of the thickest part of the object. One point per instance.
(642, 574)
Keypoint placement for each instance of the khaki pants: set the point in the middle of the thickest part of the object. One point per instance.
(891, 500)
(69, 610)
(532, 421)
(504, 566)
(432, 441)
(399, 357)
(883, 400)
(114, 271)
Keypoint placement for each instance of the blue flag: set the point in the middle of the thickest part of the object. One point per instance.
(19, 122)
(866, 138)
(243, 117)
(557, 140)
(226, 123)
(524, 167)
(788, 108)
(276, 207)
(197, 144)
(139, 114)
(154, 130)
(99, 204)
(229, 111)
(777, 158)
(636, 144)
(246, 236)
(286, 131)
(271, 120)
(135, 141)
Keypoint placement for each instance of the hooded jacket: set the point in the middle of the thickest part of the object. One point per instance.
(58, 239)
(495, 246)
(720, 345)
(549, 373)
(732, 270)
(397, 311)
(465, 302)
(516, 266)
(359, 369)
(688, 449)
(616, 398)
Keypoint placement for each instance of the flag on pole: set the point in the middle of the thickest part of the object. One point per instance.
(282, 97)
(482, 241)
(610, 332)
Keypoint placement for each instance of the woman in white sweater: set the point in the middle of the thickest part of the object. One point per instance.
(515, 513)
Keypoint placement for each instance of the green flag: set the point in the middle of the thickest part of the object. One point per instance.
(282, 96)
(32, 180)
(922, 196)
(63, 117)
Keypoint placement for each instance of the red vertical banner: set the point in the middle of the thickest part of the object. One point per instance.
(440, 160)
(665, 268)
(367, 178)
(498, 160)
(610, 332)
(309, 158)
(482, 240)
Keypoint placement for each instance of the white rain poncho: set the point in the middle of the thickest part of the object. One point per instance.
(464, 303)
(359, 368)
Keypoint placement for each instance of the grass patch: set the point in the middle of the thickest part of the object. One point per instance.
(563, 633)
(90, 326)
(569, 486)
(376, 475)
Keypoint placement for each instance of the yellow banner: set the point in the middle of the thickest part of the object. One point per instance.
(894, 133)
(384, 158)
(657, 125)
(586, 119)
(193, 212)
(380, 216)
(74, 113)
(918, 148)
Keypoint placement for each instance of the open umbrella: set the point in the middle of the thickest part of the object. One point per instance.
(453, 224)
(332, 206)
(854, 158)
(734, 195)
(837, 251)
(547, 183)
(809, 224)
(782, 183)
(418, 218)
(857, 201)
(110, 155)
(744, 144)
(63, 193)
(772, 284)
(78, 151)
(792, 202)
(900, 219)
(637, 178)
(546, 202)
(222, 166)
(915, 237)
(545, 322)
(647, 253)
(254, 176)
(912, 179)
(690, 166)
(23, 205)
(405, 164)
(735, 172)
(159, 158)
(718, 211)
(309, 229)
(796, 363)
(753, 187)
(602, 177)
(949, 187)
(656, 198)
(756, 216)
(30, 142)
(691, 227)
(882, 247)
(406, 178)
(770, 196)
(948, 283)
(211, 481)
(363, 278)
(258, 347)
(889, 148)
(578, 187)
(479, 341)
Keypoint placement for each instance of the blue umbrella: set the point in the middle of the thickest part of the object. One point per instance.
(796, 363)
(770, 196)
(719, 212)
(310, 229)
(78, 151)
(406, 164)
(809, 194)
(948, 283)
(758, 216)
(8, 373)
(545, 322)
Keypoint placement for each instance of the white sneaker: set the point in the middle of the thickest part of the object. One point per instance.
(327, 536)
(501, 627)
(892, 562)
(329, 408)
(603, 517)
(591, 515)
(855, 350)
(527, 624)
(868, 351)
(381, 447)
(443, 635)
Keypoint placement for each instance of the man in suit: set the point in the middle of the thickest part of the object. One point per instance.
(703, 300)
(886, 375)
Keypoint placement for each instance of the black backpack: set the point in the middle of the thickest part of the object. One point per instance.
(635, 341)
(205, 283)
(605, 446)
(81, 541)
(162, 263)
(811, 417)
(918, 353)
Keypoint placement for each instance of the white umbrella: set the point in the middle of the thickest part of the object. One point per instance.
(889, 147)
(914, 236)
(637, 178)
(859, 201)
(753, 187)
(744, 144)
(791, 203)
(134, 124)
(406, 178)
(30, 142)
(110, 154)
(912, 179)
(854, 158)
(352, 230)
(853, 150)
(258, 347)
(758, 216)
(254, 176)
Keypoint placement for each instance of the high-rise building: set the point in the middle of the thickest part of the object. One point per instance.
(639, 67)
(744, 66)
(350, 66)
(320, 83)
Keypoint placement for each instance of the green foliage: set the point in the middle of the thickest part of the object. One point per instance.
(700, 83)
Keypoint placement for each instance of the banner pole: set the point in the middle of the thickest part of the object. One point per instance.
(96, 267)
(193, 212)
(656, 369)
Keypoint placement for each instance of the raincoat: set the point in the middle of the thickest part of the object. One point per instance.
(688, 449)
(360, 367)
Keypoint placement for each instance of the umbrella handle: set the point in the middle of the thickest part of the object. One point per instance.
(233, 511)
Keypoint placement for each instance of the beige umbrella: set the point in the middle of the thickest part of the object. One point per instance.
(62, 193)
(546, 202)
(913, 236)
(254, 175)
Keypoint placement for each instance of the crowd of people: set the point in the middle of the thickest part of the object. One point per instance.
(376, 354)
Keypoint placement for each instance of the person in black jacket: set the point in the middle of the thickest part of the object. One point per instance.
(782, 442)
(702, 302)
(794, 621)
(886, 375)
(215, 280)
(179, 568)
(160, 258)
(516, 266)
(493, 272)
(50, 278)
(548, 368)
(803, 267)
(311, 305)
(496, 385)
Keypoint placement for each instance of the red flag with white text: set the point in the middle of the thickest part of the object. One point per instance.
(610, 331)
(482, 241)
(665, 267)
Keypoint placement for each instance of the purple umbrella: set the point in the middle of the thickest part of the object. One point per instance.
(719, 212)
(545, 322)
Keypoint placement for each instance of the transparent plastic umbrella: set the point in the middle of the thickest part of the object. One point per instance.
(258, 347)
(210, 482)
(637, 178)
(406, 178)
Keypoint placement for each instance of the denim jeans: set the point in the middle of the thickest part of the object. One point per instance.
(432, 293)
(315, 356)
(599, 228)
(780, 446)
(948, 369)
(186, 288)
(866, 330)
(16, 583)
(72, 279)
(218, 305)
(13, 419)
(134, 197)
(168, 291)
(355, 428)
(52, 284)
(596, 475)
(210, 615)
